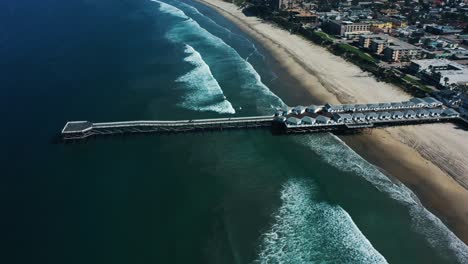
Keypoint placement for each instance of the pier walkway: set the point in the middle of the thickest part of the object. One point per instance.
(84, 129)
(287, 120)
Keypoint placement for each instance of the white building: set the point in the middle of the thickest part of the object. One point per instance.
(307, 120)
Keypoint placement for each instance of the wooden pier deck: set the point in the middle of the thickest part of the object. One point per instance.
(286, 120)
(84, 129)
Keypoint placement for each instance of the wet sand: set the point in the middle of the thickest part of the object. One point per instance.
(430, 159)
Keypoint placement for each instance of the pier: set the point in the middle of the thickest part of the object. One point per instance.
(287, 120)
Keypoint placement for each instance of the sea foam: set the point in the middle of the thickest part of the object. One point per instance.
(221, 57)
(204, 93)
(306, 230)
(335, 152)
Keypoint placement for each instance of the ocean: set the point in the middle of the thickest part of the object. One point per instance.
(243, 196)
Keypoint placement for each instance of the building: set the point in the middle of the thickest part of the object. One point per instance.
(398, 51)
(359, 117)
(464, 105)
(293, 121)
(372, 116)
(442, 30)
(440, 71)
(307, 120)
(450, 112)
(345, 28)
(385, 116)
(298, 110)
(410, 114)
(313, 109)
(323, 119)
(393, 49)
(398, 115)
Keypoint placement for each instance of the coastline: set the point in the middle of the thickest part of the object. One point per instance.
(432, 160)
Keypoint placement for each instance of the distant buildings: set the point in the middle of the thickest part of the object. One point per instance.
(442, 30)
(392, 49)
(441, 71)
(345, 28)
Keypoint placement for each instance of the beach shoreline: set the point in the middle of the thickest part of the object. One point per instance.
(432, 160)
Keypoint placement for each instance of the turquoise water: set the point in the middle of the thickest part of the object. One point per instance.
(230, 197)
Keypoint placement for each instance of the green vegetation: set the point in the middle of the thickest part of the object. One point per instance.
(324, 36)
(346, 48)
(416, 83)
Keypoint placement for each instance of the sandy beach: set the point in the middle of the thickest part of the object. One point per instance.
(431, 159)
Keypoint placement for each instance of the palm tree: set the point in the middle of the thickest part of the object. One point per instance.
(446, 80)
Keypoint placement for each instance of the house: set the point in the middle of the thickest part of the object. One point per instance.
(372, 116)
(337, 117)
(397, 115)
(323, 120)
(385, 116)
(280, 119)
(333, 108)
(432, 102)
(409, 104)
(361, 107)
(384, 106)
(450, 113)
(359, 117)
(435, 112)
(307, 120)
(286, 110)
(410, 114)
(423, 113)
(396, 105)
(349, 108)
(418, 102)
(346, 118)
(293, 121)
(373, 107)
(299, 109)
(313, 109)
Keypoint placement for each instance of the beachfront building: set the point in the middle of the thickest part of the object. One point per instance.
(293, 121)
(323, 119)
(422, 113)
(435, 112)
(337, 118)
(313, 109)
(286, 110)
(432, 102)
(398, 51)
(385, 116)
(307, 120)
(345, 28)
(418, 102)
(393, 49)
(349, 108)
(397, 115)
(346, 118)
(298, 110)
(359, 117)
(450, 113)
(440, 71)
(334, 108)
(372, 116)
(385, 106)
(410, 114)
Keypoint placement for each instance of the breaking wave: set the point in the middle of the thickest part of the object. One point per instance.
(225, 62)
(204, 92)
(310, 231)
(335, 152)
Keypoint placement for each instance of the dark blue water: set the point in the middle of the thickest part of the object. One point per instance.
(231, 197)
